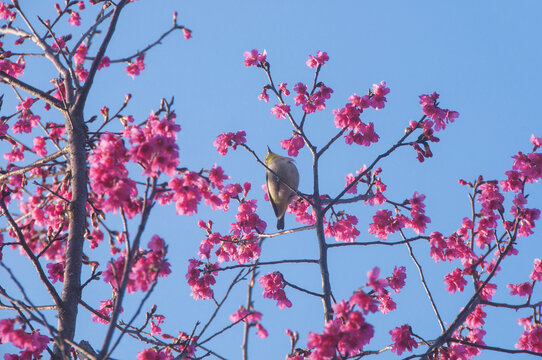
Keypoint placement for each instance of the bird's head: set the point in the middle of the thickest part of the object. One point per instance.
(270, 156)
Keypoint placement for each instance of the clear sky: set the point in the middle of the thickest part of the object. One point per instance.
(482, 57)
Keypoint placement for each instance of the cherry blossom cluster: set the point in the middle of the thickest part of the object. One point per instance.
(319, 60)
(134, 69)
(252, 318)
(242, 245)
(348, 117)
(402, 339)
(531, 339)
(386, 223)
(293, 145)
(6, 13)
(153, 147)
(106, 308)
(301, 209)
(310, 100)
(348, 332)
(343, 228)
(26, 119)
(435, 119)
(183, 344)
(79, 59)
(314, 101)
(46, 210)
(255, 58)
(481, 234)
(457, 350)
(374, 182)
(226, 140)
(146, 267)
(110, 181)
(273, 284)
(201, 276)
(32, 344)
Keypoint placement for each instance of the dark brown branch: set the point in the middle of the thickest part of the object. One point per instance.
(91, 30)
(148, 47)
(40, 162)
(294, 261)
(495, 348)
(17, 230)
(510, 306)
(393, 243)
(370, 167)
(31, 90)
(289, 231)
(471, 304)
(424, 283)
(235, 281)
(147, 206)
(83, 94)
(301, 289)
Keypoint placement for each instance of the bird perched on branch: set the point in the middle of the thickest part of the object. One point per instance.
(282, 185)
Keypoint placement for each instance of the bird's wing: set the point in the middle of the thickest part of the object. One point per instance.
(268, 179)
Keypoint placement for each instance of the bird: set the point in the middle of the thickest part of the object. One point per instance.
(280, 194)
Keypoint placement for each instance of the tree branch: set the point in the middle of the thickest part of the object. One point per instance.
(31, 90)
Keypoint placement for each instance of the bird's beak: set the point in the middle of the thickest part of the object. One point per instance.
(268, 149)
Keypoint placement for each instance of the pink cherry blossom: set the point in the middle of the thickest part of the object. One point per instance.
(531, 339)
(263, 95)
(283, 89)
(11, 68)
(536, 274)
(343, 229)
(252, 318)
(5, 13)
(80, 54)
(134, 69)
(105, 62)
(522, 289)
(378, 99)
(153, 354)
(293, 144)
(319, 60)
(402, 340)
(386, 303)
(397, 280)
(476, 318)
(253, 58)
(346, 334)
(377, 284)
(280, 111)
(384, 223)
(75, 19)
(455, 281)
(56, 272)
(201, 277)
(273, 285)
(537, 142)
(225, 140)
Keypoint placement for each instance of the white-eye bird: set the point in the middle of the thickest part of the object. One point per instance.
(279, 193)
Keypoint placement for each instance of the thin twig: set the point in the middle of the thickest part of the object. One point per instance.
(424, 283)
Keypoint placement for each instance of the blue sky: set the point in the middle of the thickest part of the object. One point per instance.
(483, 59)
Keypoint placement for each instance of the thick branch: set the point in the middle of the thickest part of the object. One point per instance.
(31, 90)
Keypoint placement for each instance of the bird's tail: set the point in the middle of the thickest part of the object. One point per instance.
(280, 223)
